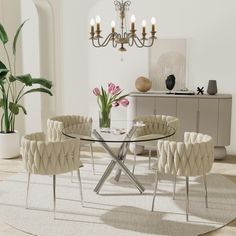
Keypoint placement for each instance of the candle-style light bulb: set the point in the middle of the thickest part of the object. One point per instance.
(113, 25)
(98, 19)
(132, 19)
(153, 22)
(92, 22)
(144, 23)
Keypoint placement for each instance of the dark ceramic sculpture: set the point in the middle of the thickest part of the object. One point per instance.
(212, 87)
(170, 82)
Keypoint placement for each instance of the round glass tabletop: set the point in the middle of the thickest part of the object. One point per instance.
(120, 132)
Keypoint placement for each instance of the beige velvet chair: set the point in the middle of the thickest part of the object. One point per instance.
(81, 124)
(193, 157)
(50, 158)
(154, 124)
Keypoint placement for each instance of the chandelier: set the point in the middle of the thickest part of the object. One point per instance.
(122, 37)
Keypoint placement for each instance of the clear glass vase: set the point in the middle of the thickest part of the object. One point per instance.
(105, 119)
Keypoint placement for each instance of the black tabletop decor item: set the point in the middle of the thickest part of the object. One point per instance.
(212, 87)
(200, 90)
(170, 82)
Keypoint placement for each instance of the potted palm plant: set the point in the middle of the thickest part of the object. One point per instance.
(13, 88)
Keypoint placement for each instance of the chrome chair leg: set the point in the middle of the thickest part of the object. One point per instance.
(92, 158)
(134, 163)
(54, 196)
(80, 186)
(187, 197)
(205, 185)
(27, 192)
(155, 190)
(174, 187)
(149, 159)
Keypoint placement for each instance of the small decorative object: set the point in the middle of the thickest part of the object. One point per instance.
(170, 82)
(106, 100)
(143, 84)
(212, 87)
(118, 131)
(200, 90)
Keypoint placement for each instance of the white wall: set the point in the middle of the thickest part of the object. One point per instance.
(31, 64)
(75, 56)
(209, 27)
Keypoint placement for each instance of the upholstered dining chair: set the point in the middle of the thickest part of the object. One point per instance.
(50, 158)
(193, 157)
(82, 125)
(154, 124)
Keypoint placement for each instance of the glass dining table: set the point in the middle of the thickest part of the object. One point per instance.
(122, 135)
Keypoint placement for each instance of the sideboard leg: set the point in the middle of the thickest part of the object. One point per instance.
(220, 153)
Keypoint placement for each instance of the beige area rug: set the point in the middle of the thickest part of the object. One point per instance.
(119, 209)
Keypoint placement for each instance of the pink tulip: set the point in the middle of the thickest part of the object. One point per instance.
(111, 87)
(96, 91)
(116, 90)
(124, 102)
(115, 104)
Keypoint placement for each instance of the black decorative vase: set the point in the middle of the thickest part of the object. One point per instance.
(170, 82)
(212, 87)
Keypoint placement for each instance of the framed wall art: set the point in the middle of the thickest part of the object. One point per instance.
(166, 57)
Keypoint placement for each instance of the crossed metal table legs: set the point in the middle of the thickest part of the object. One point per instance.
(118, 160)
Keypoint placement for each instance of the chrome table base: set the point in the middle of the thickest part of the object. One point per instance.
(118, 160)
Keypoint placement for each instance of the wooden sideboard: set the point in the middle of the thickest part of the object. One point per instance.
(209, 114)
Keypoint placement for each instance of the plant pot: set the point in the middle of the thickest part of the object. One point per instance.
(9, 145)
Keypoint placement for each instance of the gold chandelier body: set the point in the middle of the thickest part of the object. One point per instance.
(123, 37)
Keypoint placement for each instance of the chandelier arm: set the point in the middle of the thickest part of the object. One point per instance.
(139, 44)
(114, 43)
(106, 41)
(93, 42)
(151, 43)
(142, 43)
(131, 42)
(130, 39)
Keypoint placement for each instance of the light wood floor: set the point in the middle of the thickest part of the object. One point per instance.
(225, 167)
